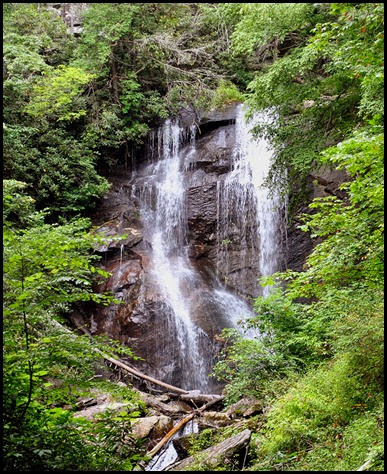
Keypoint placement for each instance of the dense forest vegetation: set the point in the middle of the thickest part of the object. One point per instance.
(75, 106)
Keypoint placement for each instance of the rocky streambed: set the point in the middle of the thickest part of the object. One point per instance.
(212, 437)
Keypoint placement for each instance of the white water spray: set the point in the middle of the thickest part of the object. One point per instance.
(245, 207)
(166, 225)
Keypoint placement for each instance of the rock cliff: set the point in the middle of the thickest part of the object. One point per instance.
(137, 321)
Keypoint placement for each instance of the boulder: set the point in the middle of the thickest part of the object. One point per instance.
(215, 419)
(218, 454)
(158, 425)
(161, 428)
(245, 407)
(90, 412)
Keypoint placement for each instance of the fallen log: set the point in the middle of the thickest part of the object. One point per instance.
(215, 455)
(169, 435)
(179, 425)
(196, 397)
(135, 372)
(139, 374)
(152, 401)
(185, 395)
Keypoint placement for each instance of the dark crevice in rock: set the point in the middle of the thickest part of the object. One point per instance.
(207, 127)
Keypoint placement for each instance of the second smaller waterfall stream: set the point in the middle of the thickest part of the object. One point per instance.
(245, 206)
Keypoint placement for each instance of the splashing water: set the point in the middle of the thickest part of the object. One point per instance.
(166, 228)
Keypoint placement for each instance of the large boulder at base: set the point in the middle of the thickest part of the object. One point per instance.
(218, 454)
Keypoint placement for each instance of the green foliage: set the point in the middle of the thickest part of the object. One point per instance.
(327, 419)
(325, 78)
(247, 366)
(262, 23)
(60, 169)
(47, 265)
(38, 149)
(35, 40)
(355, 43)
(201, 441)
(143, 53)
(326, 321)
(225, 94)
(69, 104)
(52, 439)
(17, 205)
(104, 24)
(57, 94)
(352, 248)
(289, 328)
(327, 324)
(46, 366)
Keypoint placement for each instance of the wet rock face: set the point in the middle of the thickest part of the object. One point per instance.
(213, 152)
(324, 182)
(201, 214)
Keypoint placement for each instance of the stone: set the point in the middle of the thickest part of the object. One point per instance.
(90, 412)
(142, 426)
(201, 212)
(322, 183)
(85, 402)
(161, 428)
(244, 407)
(218, 454)
(114, 229)
(227, 113)
(157, 426)
(214, 418)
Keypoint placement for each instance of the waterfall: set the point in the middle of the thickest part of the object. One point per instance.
(246, 210)
(166, 228)
(121, 253)
(247, 222)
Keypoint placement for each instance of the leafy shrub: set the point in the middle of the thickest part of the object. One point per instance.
(226, 93)
(247, 366)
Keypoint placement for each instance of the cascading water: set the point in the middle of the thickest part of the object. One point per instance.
(245, 208)
(169, 455)
(164, 224)
(247, 218)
